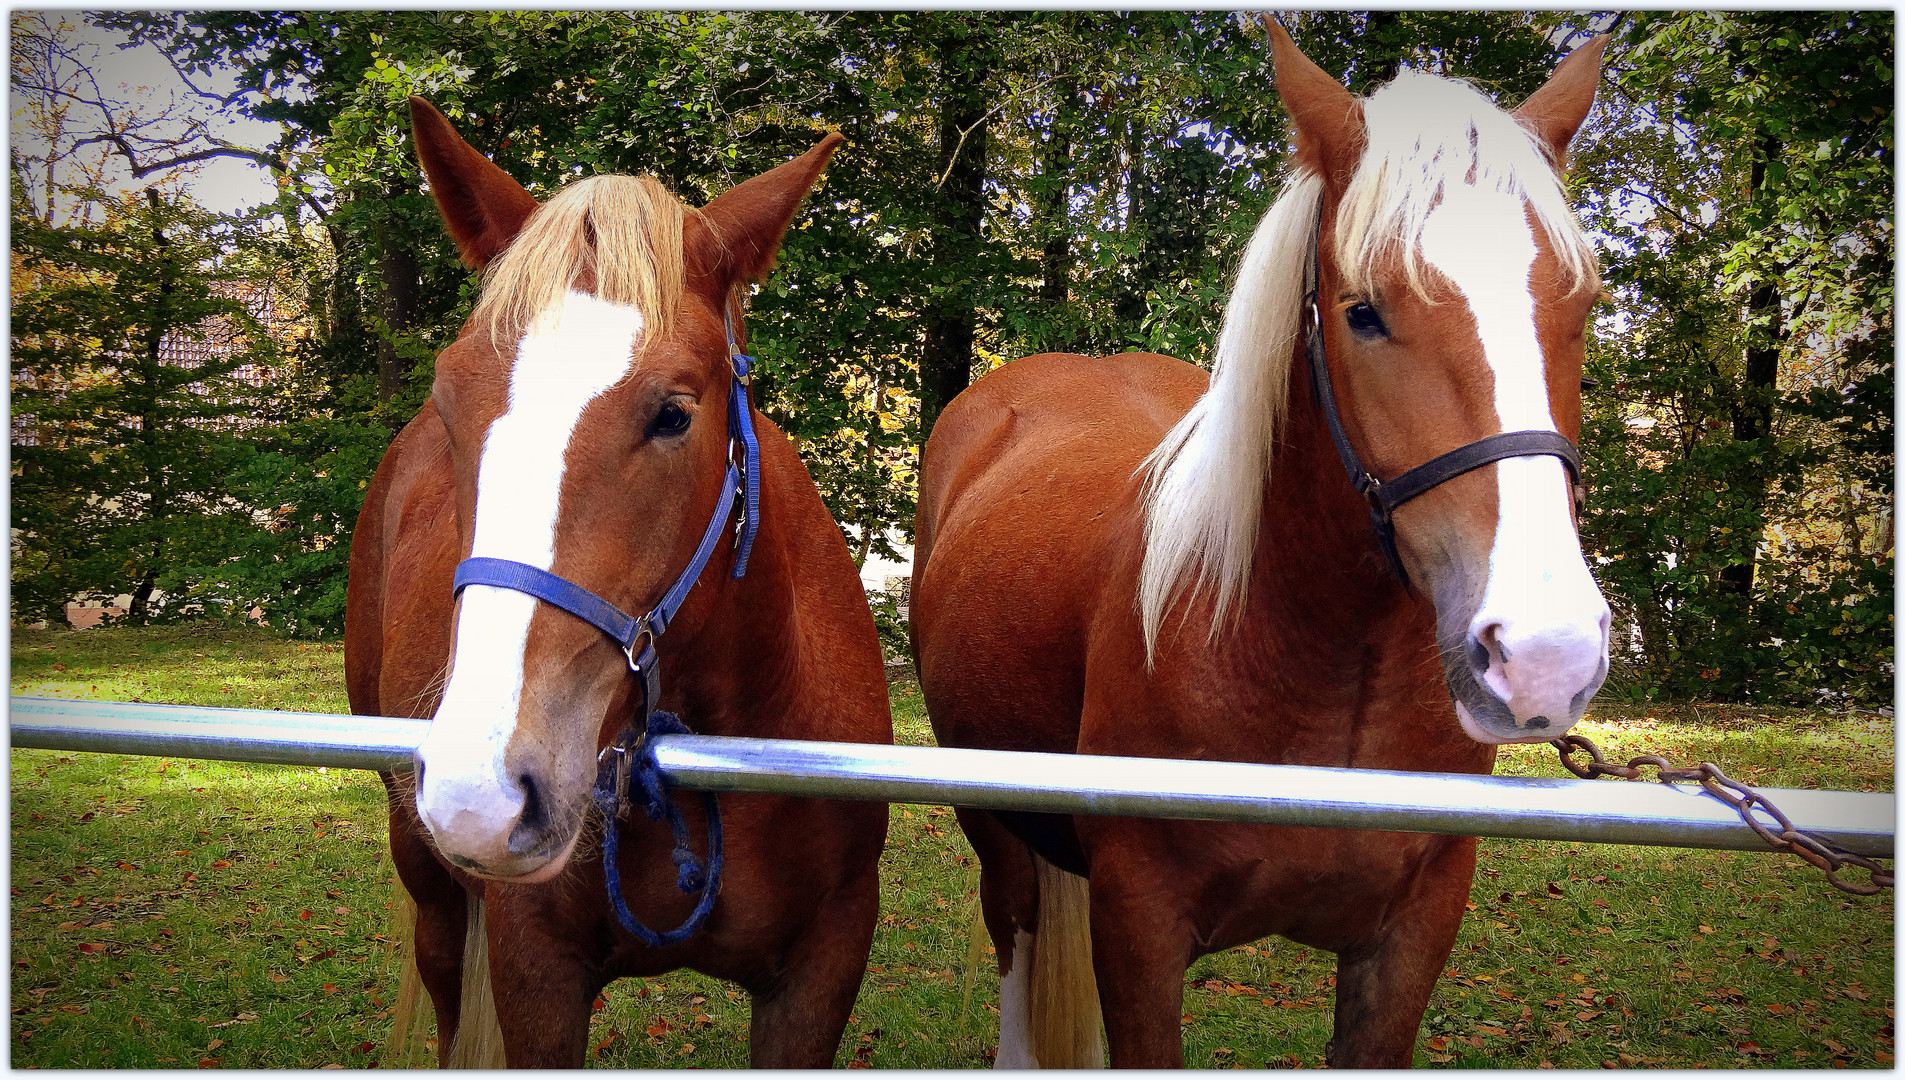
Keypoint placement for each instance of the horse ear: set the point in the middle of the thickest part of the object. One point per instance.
(483, 207)
(1556, 111)
(1328, 118)
(736, 236)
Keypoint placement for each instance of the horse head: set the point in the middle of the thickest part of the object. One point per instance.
(1453, 289)
(587, 406)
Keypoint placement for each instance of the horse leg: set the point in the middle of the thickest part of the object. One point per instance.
(1008, 902)
(797, 1019)
(542, 983)
(1141, 944)
(1383, 985)
(442, 905)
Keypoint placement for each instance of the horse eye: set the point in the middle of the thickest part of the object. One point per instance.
(671, 420)
(1364, 320)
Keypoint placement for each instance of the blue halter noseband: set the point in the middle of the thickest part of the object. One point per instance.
(629, 760)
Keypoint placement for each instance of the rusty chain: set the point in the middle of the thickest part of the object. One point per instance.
(1821, 853)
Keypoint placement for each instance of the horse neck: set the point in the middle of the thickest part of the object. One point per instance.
(1317, 570)
(730, 651)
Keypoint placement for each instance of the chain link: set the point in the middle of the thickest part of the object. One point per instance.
(1821, 853)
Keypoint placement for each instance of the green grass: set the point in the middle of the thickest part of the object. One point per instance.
(172, 913)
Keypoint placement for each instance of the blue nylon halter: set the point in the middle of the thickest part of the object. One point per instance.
(630, 759)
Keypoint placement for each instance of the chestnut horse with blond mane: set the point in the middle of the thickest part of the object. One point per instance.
(1125, 556)
(591, 426)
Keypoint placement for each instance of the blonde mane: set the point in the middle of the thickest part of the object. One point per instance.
(1205, 482)
(624, 232)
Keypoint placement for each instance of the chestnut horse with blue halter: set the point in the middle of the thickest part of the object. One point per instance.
(1124, 556)
(589, 450)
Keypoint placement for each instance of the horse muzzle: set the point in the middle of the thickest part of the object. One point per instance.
(493, 822)
(1526, 672)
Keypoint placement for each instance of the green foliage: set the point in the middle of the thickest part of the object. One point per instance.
(309, 483)
(1741, 441)
(889, 619)
(1737, 174)
(122, 453)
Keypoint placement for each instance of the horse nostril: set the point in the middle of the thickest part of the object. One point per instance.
(1485, 647)
(532, 825)
(1477, 654)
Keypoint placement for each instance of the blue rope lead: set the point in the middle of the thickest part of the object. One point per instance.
(611, 790)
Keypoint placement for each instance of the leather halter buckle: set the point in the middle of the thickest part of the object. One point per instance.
(1378, 506)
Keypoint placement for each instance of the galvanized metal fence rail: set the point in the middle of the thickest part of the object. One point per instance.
(1527, 808)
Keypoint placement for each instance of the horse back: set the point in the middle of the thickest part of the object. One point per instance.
(1029, 523)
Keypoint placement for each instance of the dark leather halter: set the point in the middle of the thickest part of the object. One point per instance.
(1384, 496)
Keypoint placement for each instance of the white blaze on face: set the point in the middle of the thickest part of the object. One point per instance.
(570, 356)
(1541, 617)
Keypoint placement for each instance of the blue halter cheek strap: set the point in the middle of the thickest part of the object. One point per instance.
(628, 765)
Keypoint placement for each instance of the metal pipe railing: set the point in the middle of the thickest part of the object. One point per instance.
(1568, 810)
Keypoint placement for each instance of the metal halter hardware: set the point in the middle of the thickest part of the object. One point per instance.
(1384, 497)
(629, 757)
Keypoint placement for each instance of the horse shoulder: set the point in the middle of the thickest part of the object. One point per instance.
(402, 554)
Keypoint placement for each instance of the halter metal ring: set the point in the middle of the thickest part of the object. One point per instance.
(642, 630)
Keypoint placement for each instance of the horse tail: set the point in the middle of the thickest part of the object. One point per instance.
(410, 1016)
(479, 1035)
(1067, 1023)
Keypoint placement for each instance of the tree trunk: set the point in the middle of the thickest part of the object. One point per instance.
(945, 366)
(1753, 415)
(397, 270)
(870, 520)
(151, 378)
(1130, 306)
(1054, 205)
